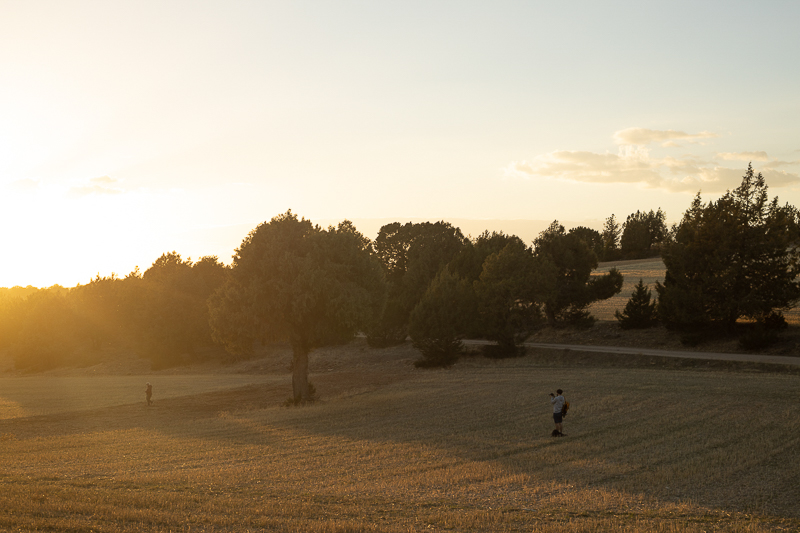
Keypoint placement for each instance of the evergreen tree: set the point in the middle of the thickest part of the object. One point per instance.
(438, 321)
(733, 258)
(468, 262)
(575, 288)
(294, 281)
(642, 232)
(412, 255)
(639, 312)
(611, 233)
(510, 292)
(592, 237)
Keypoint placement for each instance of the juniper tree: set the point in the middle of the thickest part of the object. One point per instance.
(611, 234)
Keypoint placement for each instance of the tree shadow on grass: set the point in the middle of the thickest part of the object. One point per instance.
(634, 433)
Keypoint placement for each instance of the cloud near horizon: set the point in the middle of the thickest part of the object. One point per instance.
(633, 164)
(744, 156)
(643, 137)
(101, 185)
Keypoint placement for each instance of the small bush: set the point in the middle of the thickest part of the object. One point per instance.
(757, 338)
(438, 352)
(775, 322)
(693, 338)
(579, 318)
(763, 333)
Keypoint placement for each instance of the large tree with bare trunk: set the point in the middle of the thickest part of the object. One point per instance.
(294, 281)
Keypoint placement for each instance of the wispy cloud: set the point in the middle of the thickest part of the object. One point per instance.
(643, 137)
(634, 164)
(744, 156)
(101, 185)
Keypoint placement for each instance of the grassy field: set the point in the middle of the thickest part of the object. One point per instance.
(650, 271)
(392, 448)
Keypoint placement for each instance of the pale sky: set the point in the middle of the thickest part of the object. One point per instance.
(130, 129)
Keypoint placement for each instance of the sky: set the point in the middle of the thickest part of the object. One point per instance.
(133, 128)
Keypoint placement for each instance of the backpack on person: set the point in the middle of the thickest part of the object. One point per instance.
(564, 408)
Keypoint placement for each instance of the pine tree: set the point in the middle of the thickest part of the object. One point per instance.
(611, 235)
(575, 287)
(641, 232)
(438, 321)
(733, 258)
(639, 312)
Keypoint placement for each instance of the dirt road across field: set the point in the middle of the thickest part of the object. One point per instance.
(754, 358)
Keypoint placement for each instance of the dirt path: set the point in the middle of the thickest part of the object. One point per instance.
(754, 358)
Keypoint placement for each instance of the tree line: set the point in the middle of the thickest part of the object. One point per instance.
(293, 281)
(731, 268)
(161, 313)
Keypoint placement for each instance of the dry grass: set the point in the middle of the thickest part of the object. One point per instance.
(392, 448)
(650, 271)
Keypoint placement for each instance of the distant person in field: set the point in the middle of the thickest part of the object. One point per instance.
(558, 405)
(149, 393)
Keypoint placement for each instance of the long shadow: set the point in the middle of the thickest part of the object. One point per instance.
(171, 415)
(443, 410)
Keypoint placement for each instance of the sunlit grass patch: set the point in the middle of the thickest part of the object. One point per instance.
(45, 395)
(650, 271)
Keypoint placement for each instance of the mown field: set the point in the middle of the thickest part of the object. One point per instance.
(650, 271)
(396, 449)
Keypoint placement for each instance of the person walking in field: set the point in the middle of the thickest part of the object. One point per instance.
(149, 393)
(558, 406)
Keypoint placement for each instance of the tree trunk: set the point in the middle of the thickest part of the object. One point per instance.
(550, 314)
(300, 390)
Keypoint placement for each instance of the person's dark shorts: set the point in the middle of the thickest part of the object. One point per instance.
(557, 418)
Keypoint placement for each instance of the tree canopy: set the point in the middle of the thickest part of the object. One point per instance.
(492, 289)
(412, 255)
(642, 232)
(294, 281)
(173, 314)
(611, 235)
(438, 322)
(592, 238)
(575, 287)
(510, 291)
(731, 258)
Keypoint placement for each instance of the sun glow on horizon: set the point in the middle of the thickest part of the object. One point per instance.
(133, 129)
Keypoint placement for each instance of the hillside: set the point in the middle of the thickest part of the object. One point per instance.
(650, 271)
